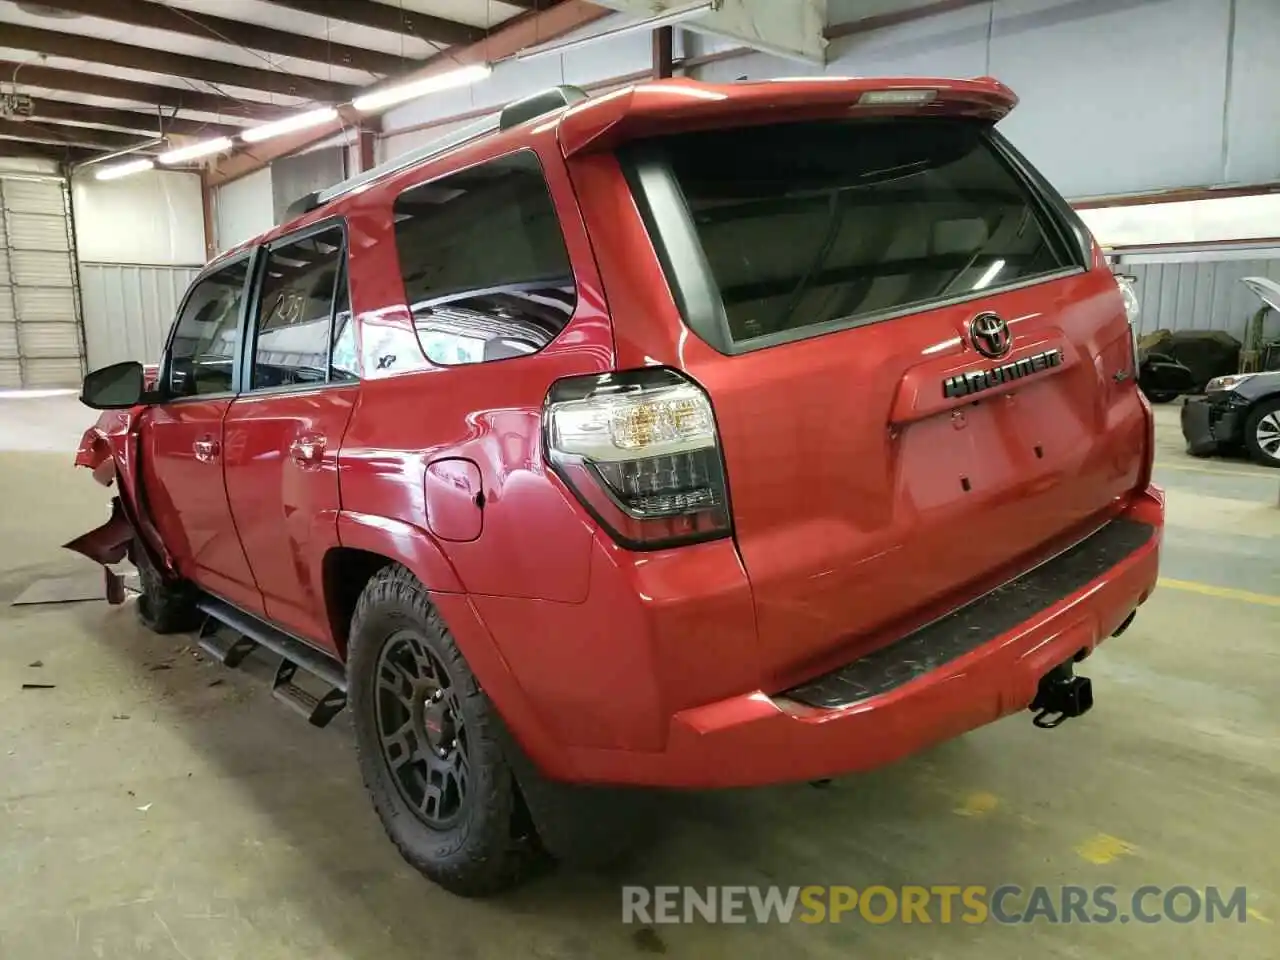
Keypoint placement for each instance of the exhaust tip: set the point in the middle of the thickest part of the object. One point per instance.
(1124, 624)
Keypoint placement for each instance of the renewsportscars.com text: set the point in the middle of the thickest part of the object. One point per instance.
(943, 904)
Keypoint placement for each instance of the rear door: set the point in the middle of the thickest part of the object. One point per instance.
(920, 377)
(183, 444)
(283, 432)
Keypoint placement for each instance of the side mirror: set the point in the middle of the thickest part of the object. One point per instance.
(116, 387)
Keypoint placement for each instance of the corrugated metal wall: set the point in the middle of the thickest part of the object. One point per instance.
(40, 333)
(128, 309)
(1201, 296)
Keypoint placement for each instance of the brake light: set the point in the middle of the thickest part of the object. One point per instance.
(641, 451)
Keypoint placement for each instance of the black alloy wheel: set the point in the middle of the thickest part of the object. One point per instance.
(422, 730)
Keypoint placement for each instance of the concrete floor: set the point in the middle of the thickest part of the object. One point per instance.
(157, 805)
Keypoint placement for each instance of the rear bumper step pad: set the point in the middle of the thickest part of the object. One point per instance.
(981, 621)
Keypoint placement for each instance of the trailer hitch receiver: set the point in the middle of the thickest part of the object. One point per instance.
(1061, 696)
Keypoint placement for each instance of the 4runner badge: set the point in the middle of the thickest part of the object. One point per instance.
(976, 381)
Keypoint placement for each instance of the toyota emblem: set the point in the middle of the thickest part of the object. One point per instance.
(990, 335)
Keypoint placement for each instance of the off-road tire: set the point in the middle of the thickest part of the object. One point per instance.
(1256, 453)
(492, 846)
(163, 607)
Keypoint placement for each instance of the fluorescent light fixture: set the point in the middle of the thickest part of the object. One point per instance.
(652, 23)
(195, 151)
(873, 98)
(125, 169)
(462, 77)
(989, 275)
(312, 118)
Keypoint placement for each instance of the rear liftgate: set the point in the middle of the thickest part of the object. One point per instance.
(229, 635)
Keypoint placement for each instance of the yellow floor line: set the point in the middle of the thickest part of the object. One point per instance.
(1222, 593)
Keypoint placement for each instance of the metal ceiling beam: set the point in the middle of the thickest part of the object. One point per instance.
(141, 13)
(33, 131)
(59, 110)
(172, 98)
(506, 41)
(172, 64)
(380, 16)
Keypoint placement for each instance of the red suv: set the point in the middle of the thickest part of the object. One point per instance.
(687, 436)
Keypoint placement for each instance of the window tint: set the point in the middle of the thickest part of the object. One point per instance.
(296, 311)
(486, 272)
(815, 222)
(202, 352)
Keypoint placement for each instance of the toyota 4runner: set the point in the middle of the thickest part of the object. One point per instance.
(686, 436)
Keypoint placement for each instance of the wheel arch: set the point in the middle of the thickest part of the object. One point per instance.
(368, 544)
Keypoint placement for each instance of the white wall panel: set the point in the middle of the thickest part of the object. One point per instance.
(153, 217)
(1117, 96)
(128, 310)
(244, 208)
(1081, 69)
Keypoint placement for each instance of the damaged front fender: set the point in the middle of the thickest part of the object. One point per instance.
(110, 449)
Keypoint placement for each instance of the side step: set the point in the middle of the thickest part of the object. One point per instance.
(229, 635)
(318, 709)
(222, 643)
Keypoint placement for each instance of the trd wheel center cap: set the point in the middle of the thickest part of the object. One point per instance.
(435, 719)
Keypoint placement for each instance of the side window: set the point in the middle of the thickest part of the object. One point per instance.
(485, 268)
(296, 311)
(202, 352)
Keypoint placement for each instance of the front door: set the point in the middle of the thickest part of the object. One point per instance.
(284, 430)
(183, 444)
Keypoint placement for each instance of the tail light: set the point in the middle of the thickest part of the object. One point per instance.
(641, 451)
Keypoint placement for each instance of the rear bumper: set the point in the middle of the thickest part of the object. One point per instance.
(756, 738)
(1207, 425)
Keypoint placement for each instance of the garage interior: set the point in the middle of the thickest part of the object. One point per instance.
(156, 804)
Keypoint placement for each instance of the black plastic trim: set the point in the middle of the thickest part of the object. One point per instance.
(976, 623)
(276, 640)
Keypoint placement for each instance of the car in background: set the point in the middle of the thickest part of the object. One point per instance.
(1239, 411)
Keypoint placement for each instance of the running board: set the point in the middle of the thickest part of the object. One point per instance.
(229, 635)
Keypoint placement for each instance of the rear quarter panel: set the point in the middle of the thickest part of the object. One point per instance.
(536, 542)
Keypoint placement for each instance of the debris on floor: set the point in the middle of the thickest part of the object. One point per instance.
(36, 663)
(39, 686)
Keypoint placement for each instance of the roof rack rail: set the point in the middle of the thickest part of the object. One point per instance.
(318, 198)
(525, 109)
(510, 116)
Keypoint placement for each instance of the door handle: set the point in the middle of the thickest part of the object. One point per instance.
(206, 451)
(307, 450)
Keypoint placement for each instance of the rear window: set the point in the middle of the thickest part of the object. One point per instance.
(810, 224)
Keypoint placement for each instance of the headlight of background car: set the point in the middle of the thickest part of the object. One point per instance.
(1226, 383)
